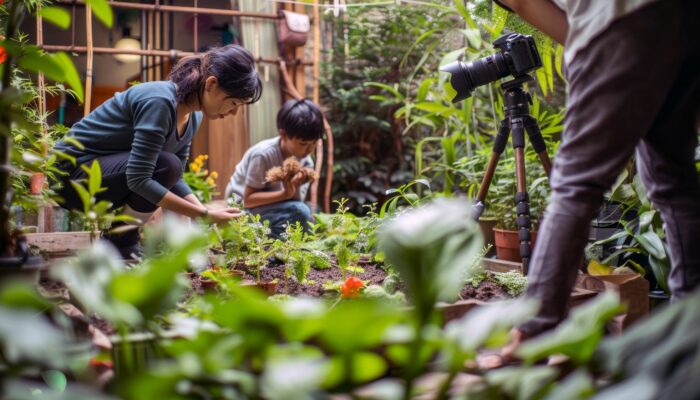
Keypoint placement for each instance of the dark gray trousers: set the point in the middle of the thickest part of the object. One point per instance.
(635, 87)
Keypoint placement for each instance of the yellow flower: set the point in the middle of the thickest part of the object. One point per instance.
(211, 182)
(214, 174)
(194, 167)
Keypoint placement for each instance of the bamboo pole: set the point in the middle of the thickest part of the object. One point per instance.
(317, 99)
(44, 213)
(178, 9)
(160, 53)
(41, 78)
(319, 146)
(88, 69)
(316, 49)
(144, 45)
(196, 29)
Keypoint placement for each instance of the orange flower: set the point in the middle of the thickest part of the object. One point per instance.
(96, 362)
(350, 289)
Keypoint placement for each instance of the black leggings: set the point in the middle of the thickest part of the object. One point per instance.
(167, 172)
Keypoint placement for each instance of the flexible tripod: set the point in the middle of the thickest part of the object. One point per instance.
(517, 120)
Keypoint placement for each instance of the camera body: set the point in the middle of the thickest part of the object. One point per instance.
(518, 56)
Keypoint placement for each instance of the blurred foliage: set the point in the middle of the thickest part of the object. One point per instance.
(390, 58)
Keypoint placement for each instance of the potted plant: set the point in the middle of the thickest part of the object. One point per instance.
(15, 110)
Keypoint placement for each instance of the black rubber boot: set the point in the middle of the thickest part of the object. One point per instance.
(126, 241)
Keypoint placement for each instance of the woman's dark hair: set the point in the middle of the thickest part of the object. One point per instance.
(301, 119)
(232, 65)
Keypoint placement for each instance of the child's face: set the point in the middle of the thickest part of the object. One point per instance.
(297, 147)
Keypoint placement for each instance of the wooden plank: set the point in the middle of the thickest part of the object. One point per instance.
(496, 265)
(457, 309)
(59, 243)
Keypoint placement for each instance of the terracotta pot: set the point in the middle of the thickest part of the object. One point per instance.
(508, 244)
(268, 287)
(36, 183)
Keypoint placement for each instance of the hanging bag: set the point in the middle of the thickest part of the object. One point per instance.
(293, 28)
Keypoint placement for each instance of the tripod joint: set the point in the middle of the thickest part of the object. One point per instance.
(478, 210)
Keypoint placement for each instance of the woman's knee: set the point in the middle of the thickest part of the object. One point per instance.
(168, 169)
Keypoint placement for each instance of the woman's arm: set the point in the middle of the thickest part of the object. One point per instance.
(194, 200)
(179, 205)
(543, 15)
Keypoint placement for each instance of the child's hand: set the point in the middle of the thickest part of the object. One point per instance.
(223, 215)
(291, 185)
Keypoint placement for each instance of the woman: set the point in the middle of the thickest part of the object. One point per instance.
(141, 138)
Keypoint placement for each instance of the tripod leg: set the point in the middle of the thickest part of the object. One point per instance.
(499, 146)
(535, 135)
(522, 201)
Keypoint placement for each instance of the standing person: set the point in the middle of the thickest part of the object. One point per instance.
(633, 68)
(300, 126)
(141, 138)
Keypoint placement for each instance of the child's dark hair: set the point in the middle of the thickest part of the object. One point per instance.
(232, 65)
(301, 119)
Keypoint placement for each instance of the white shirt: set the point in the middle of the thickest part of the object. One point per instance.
(589, 18)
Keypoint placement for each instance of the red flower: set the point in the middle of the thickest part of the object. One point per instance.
(350, 289)
(3, 53)
(97, 363)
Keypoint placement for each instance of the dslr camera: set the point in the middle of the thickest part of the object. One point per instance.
(518, 56)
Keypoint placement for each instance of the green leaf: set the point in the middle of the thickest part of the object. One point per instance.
(578, 336)
(423, 88)
(57, 16)
(523, 382)
(558, 58)
(35, 60)
(19, 295)
(429, 251)
(84, 195)
(95, 180)
(450, 57)
(436, 108)
(499, 17)
(422, 37)
(71, 76)
(102, 11)
(661, 269)
(465, 14)
(653, 244)
(388, 88)
(370, 317)
(474, 37)
(56, 380)
(73, 142)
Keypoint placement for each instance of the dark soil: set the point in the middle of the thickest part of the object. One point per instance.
(486, 291)
(52, 289)
(315, 280)
(56, 290)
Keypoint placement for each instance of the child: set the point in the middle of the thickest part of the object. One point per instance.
(300, 126)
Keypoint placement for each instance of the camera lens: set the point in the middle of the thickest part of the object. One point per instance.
(465, 77)
(488, 69)
(459, 80)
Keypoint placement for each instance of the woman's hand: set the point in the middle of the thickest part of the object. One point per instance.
(223, 215)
